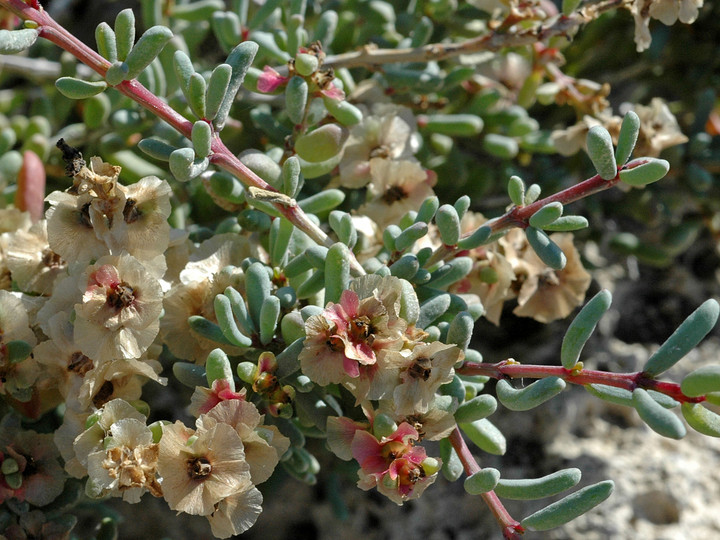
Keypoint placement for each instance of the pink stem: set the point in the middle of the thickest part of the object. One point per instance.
(510, 526)
(628, 381)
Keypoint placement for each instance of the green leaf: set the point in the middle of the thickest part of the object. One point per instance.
(15, 41)
(702, 381)
(146, 49)
(476, 239)
(482, 481)
(106, 42)
(516, 190)
(546, 249)
(217, 89)
(217, 366)
(601, 152)
(257, 288)
(296, 94)
(337, 272)
(432, 309)
(269, 316)
(427, 210)
(476, 408)
(17, 350)
(531, 396)
(240, 58)
(538, 488)
(344, 112)
(692, 330)
(158, 149)
(239, 309)
(184, 166)
(546, 215)
(460, 330)
(73, 88)
(226, 321)
(196, 94)
(582, 327)
(701, 419)
(451, 272)
(201, 138)
(448, 223)
(321, 144)
(648, 172)
(500, 146)
(452, 467)
(291, 176)
(485, 436)
(183, 71)
(627, 138)
(322, 202)
(207, 329)
(201, 10)
(454, 125)
(125, 33)
(280, 233)
(570, 507)
(567, 223)
(660, 419)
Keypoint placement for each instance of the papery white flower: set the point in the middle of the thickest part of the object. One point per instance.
(33, 265)
(120, 309)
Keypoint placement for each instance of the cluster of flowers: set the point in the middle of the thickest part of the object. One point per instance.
(95, 278)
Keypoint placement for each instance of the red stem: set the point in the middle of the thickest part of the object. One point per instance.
(508, 369)
(510, 526)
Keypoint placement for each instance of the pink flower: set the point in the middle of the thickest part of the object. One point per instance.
(270, 80)
(204, 399)
(400, 470)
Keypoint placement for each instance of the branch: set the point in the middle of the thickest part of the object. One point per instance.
(510, 526)
(510, 369)
(495, 40)
(221, 155)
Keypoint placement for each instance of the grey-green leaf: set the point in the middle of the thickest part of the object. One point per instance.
(660, 419)
(684, 339)
(627, 138)
(15, 41)
(538, 488)
(600, 150)
(545, 248)
(582, 327)
(531, 396)
(570, 507)
(701, 381)
(73, 88)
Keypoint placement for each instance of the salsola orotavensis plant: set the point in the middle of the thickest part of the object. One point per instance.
(274, 222)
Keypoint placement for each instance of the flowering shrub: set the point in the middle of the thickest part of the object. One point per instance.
(317, 280)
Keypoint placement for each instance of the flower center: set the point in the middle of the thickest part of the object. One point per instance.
(420, 368)
(198, 468)
(121, 296)
(393, 450)
(80, 364)
(131, 213)
(50, 259)
(103, 395)
(84, 216)
(409, 473)
(361, 329)
(394, 194)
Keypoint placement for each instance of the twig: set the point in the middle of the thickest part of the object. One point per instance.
(509, 369)
(510, 526)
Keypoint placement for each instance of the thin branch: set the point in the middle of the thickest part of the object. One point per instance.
(509, 369)
(495, 40)
(510, 526)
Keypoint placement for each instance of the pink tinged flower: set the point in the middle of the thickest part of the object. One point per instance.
(429, 366)
(394, 465)
(270, 80)
(200, 469)
(340, 434)
(322, 358)
(120, 309)
(333, 92)
(38, 463)
(264, 444)
(204, 399)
